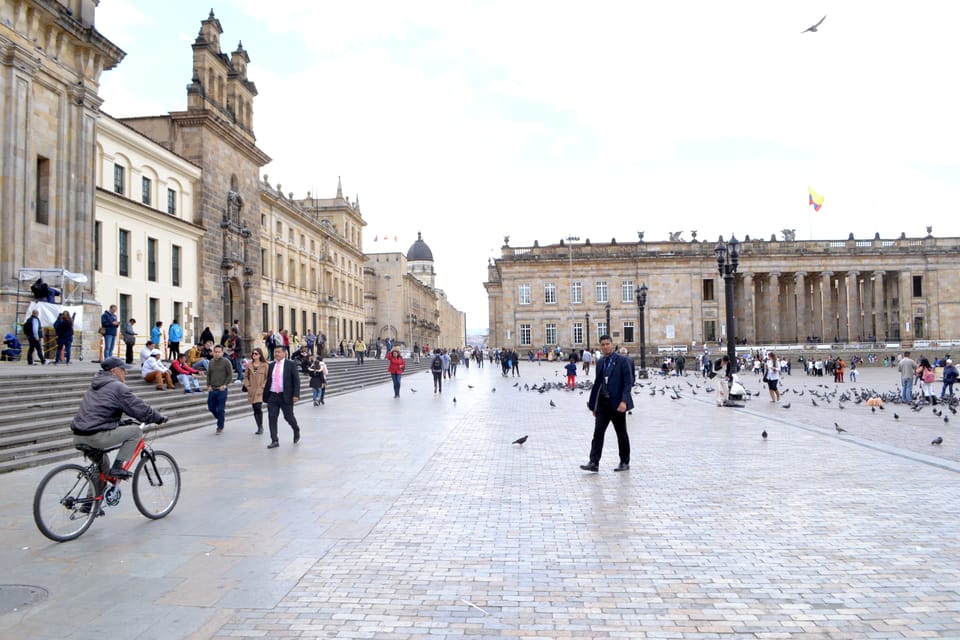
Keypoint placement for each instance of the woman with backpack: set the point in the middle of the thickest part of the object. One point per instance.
(926, 376)
(436, 368)
(318, 379)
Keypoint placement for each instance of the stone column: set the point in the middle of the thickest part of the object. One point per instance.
(854, 327)
(828, 320)
(879, 316)
(800, 290)
(905, 308)
(773, 327)
(749, 320)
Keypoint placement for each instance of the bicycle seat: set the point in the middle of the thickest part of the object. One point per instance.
(94, 451)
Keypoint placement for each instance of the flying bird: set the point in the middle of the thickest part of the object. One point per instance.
(764, 434)
(520, 440)
(937, 441)
(839, 428)
(813, 28)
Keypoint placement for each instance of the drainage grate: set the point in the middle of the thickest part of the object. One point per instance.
(14, 597)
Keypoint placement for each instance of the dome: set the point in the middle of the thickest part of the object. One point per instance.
(419, 250)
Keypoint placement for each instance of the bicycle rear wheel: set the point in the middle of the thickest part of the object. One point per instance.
(156, 484)
(65, 503)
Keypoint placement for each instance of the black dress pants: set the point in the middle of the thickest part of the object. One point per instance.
(274, 406)
(605, 415)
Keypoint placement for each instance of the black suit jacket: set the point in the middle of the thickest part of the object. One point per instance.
(291, 381)
(619, 383)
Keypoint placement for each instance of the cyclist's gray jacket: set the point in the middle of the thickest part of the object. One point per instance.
(107, 399)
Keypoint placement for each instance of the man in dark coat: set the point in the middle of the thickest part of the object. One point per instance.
(280, 393)
(610, 399)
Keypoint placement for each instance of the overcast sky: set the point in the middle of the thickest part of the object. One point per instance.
(473, 120)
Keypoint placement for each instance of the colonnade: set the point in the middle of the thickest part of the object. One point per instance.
(822, 306)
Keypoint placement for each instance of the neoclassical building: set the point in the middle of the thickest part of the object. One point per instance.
(146, 243)
(51, 59)
(785, 292)
(311, 258)
(402, 302)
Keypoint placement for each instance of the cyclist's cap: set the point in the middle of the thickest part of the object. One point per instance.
(113, 362)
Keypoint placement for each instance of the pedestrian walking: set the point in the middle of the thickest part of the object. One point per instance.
(318, 379)
(281, 392)
(219, 377)
(254, 379)
(395, 368)
(610, 399)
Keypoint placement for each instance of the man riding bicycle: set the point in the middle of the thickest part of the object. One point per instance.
(97, 423)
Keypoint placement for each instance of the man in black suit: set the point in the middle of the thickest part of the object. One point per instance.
(280, 393)
(610, 399)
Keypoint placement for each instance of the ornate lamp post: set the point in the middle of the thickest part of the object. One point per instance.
(609, 330)
(641, 304)
(728, 258)
(586, 317)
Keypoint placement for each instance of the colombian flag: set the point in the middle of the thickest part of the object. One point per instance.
(815, 199)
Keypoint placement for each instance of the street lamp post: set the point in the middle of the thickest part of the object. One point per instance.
(641, 304)
(586, 317)
(728, 258)
(609, 330)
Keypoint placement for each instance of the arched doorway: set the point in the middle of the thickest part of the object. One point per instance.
(232, 304)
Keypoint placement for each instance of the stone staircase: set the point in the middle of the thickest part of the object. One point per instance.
(40, 402)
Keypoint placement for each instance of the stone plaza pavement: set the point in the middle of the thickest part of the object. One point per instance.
(416, 518)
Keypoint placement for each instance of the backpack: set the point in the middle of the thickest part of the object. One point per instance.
(927, 376)
(437, 365)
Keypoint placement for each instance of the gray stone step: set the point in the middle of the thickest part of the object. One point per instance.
(34, 425)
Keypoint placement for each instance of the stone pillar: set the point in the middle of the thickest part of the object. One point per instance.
(854, 327)
(749, 320)
(905, 308)
(800, 290)
(879, 307)
(828, 324)
(772, 332)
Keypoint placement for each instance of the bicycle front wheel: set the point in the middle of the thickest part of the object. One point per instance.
(156, 484)
(66, 503)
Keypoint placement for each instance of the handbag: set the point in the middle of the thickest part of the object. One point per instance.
(102, 331)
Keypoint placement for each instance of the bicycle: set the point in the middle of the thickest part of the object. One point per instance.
(71, 496)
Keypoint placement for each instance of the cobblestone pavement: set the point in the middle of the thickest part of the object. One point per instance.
(416, 518)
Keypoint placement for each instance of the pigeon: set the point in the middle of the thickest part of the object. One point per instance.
(937, 441)
(469, 386)
(520, 440)
(786, 406)
(764, 434)
(412, 390)
(813, 28)
(814, 402)
(946, 419)
(839, 428)
(896, 416)
(494, 390)
(552, 404)
(516, 384)
(454, 399)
